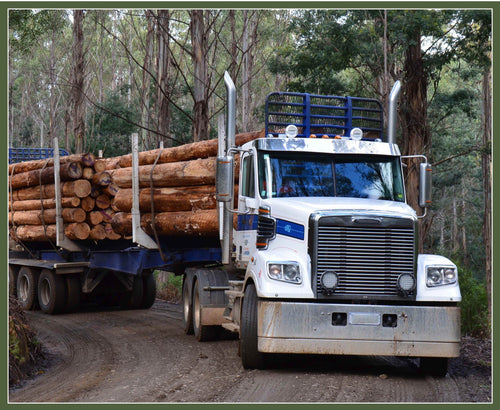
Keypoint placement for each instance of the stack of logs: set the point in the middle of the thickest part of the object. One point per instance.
(176, 197)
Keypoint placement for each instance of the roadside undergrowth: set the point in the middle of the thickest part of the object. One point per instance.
(24, 349)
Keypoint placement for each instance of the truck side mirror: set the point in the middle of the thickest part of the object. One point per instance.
(424, 199)
(225, 178)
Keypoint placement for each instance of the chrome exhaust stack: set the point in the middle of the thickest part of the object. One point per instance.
(392, 113)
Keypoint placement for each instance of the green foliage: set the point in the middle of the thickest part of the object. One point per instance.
(27, 26)
(171, 290)
(474, 305)
(111, 125)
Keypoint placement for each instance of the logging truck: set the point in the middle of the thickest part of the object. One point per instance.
(299, 238)
(320, 254)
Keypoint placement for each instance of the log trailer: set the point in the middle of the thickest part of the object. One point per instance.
(317, 251)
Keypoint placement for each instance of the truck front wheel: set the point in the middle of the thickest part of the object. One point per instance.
(51, 292)
(250, 356)
(27, 281)
(434, 366)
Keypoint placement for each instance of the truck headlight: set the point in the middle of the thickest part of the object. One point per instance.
(441, 275)
(286, 272)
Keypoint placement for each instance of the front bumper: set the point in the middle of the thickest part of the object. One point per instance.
(421, 331)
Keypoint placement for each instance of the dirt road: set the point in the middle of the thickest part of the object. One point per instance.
(144, 356)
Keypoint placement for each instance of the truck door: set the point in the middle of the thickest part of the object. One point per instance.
(246, 229)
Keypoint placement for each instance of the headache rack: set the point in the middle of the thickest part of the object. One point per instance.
(323, 116)
(30, 154)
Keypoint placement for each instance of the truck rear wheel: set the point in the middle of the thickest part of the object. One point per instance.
(27, 282)
(52, 294)
(134, 298)
(434, 366)
(187, 311)
(251, 358)
(73, 287)
(149, 291)
(202, 332)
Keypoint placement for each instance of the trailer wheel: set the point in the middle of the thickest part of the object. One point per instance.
(434, 366)
(201, 332)
(13, 274)
(27, 282)
(187, 303)
(73, 287)
(52, 294)
(133, 299)
(250, 356)
(149, 291)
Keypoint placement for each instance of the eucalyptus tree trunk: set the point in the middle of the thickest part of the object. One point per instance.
(163, 75)
(78, 81)
(487, 181)
(199, 57)
(145, 94)
(234, 45)
(249, 40)
(52, 96)
(416, 135)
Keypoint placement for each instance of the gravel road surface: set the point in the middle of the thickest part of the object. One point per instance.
(111, 355)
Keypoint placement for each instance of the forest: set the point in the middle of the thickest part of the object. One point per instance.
(93, 77)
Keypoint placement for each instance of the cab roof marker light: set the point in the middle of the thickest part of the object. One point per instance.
(356, 134)
(291, 131)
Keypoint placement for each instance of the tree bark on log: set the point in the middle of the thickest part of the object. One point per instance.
(187, 173)
(68, 171)
(79, 188)
(39, 233)
(168, 199)
(30, 204)
(187, 152)
(199, 223)
(48, 216)
(87, 160)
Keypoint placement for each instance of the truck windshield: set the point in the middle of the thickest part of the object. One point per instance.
(354, 176)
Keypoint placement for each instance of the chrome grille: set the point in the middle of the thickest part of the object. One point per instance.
(367, 259)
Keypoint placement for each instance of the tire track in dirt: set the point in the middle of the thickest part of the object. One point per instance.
(115, 356)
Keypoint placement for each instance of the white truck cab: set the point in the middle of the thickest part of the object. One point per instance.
(323, 246)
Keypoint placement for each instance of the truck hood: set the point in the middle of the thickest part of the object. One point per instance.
(298, 209)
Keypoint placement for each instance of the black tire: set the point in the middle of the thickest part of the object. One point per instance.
(187, 313)
(27, 284)
(52, 294)
(149, 291)
(202, 333)
(13, 274)
(73, 287)
(434, 366)
(134, 298)
(251, 358)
